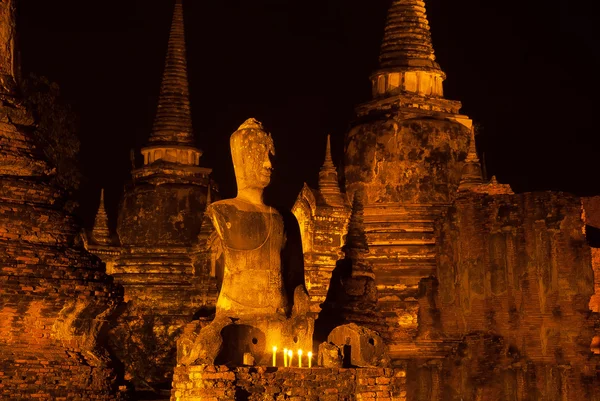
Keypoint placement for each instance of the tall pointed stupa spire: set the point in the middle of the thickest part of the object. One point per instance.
(172, 137)
(173, 122)
(471, 174)
(407, 59)
(100, 232)
(356, 240)
(407, 39)
(328, 180)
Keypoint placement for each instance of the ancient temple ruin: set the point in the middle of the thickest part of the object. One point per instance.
(55, 298)
(158, 225)
(418, 278)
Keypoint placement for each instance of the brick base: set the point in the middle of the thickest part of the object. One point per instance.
(217, 383)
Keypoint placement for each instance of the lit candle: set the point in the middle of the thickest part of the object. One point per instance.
(299, 358)
(274, 356)
(291, 355)
(285, 354)
(310, 359)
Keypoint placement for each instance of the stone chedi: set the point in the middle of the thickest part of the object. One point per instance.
(101, 232)
(55, 298)
(158, 226)
(261, 303)
(407, 149)
(322, 215)
(99, 240)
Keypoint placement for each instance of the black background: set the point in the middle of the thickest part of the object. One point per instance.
(526, 72)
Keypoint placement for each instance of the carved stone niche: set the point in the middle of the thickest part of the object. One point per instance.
(361, 347)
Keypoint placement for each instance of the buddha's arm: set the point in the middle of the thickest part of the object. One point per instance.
(208, 251)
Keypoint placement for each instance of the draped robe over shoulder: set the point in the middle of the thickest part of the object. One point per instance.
(252, 238)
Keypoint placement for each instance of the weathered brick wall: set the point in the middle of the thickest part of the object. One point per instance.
(163, 212)
(206, 382)
(409, 163)
(591, 208)
(405, 158)
(55, 298)
(159, 223)
(595, 299)
(54, 378)
(515, 280)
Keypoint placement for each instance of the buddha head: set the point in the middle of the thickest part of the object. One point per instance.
(251, 148)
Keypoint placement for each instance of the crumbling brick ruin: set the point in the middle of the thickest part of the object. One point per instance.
(55, 298)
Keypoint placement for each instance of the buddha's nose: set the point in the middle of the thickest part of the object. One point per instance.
(267, 164)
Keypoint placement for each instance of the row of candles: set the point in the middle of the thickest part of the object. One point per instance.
(288, 357)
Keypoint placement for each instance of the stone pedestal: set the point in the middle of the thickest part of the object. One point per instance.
(209, 382)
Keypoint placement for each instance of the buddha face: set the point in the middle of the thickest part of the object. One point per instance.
(251, 148)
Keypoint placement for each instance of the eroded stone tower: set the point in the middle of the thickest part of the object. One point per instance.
(159, 222)
(55, 298)
(407, 150)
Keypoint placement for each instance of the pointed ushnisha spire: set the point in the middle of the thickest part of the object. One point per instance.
(328, 180)
(173, 122)
(407, 59)
(471, 174)
(100, 232)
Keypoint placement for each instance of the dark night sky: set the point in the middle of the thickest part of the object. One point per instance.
(526, 72)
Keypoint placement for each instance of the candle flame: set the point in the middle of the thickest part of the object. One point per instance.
(274, 349)
(299, 352)
(291, 353)
(310, 354)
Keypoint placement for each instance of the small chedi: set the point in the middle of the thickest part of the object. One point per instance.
(322, 215)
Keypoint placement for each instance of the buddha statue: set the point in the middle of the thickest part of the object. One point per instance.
(253, 310)
(250, 232)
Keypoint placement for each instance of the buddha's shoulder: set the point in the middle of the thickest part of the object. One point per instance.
(230, 206)
(223, 205)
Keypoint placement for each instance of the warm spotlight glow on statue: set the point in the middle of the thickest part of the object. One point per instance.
(253, 311)
(251, 232)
